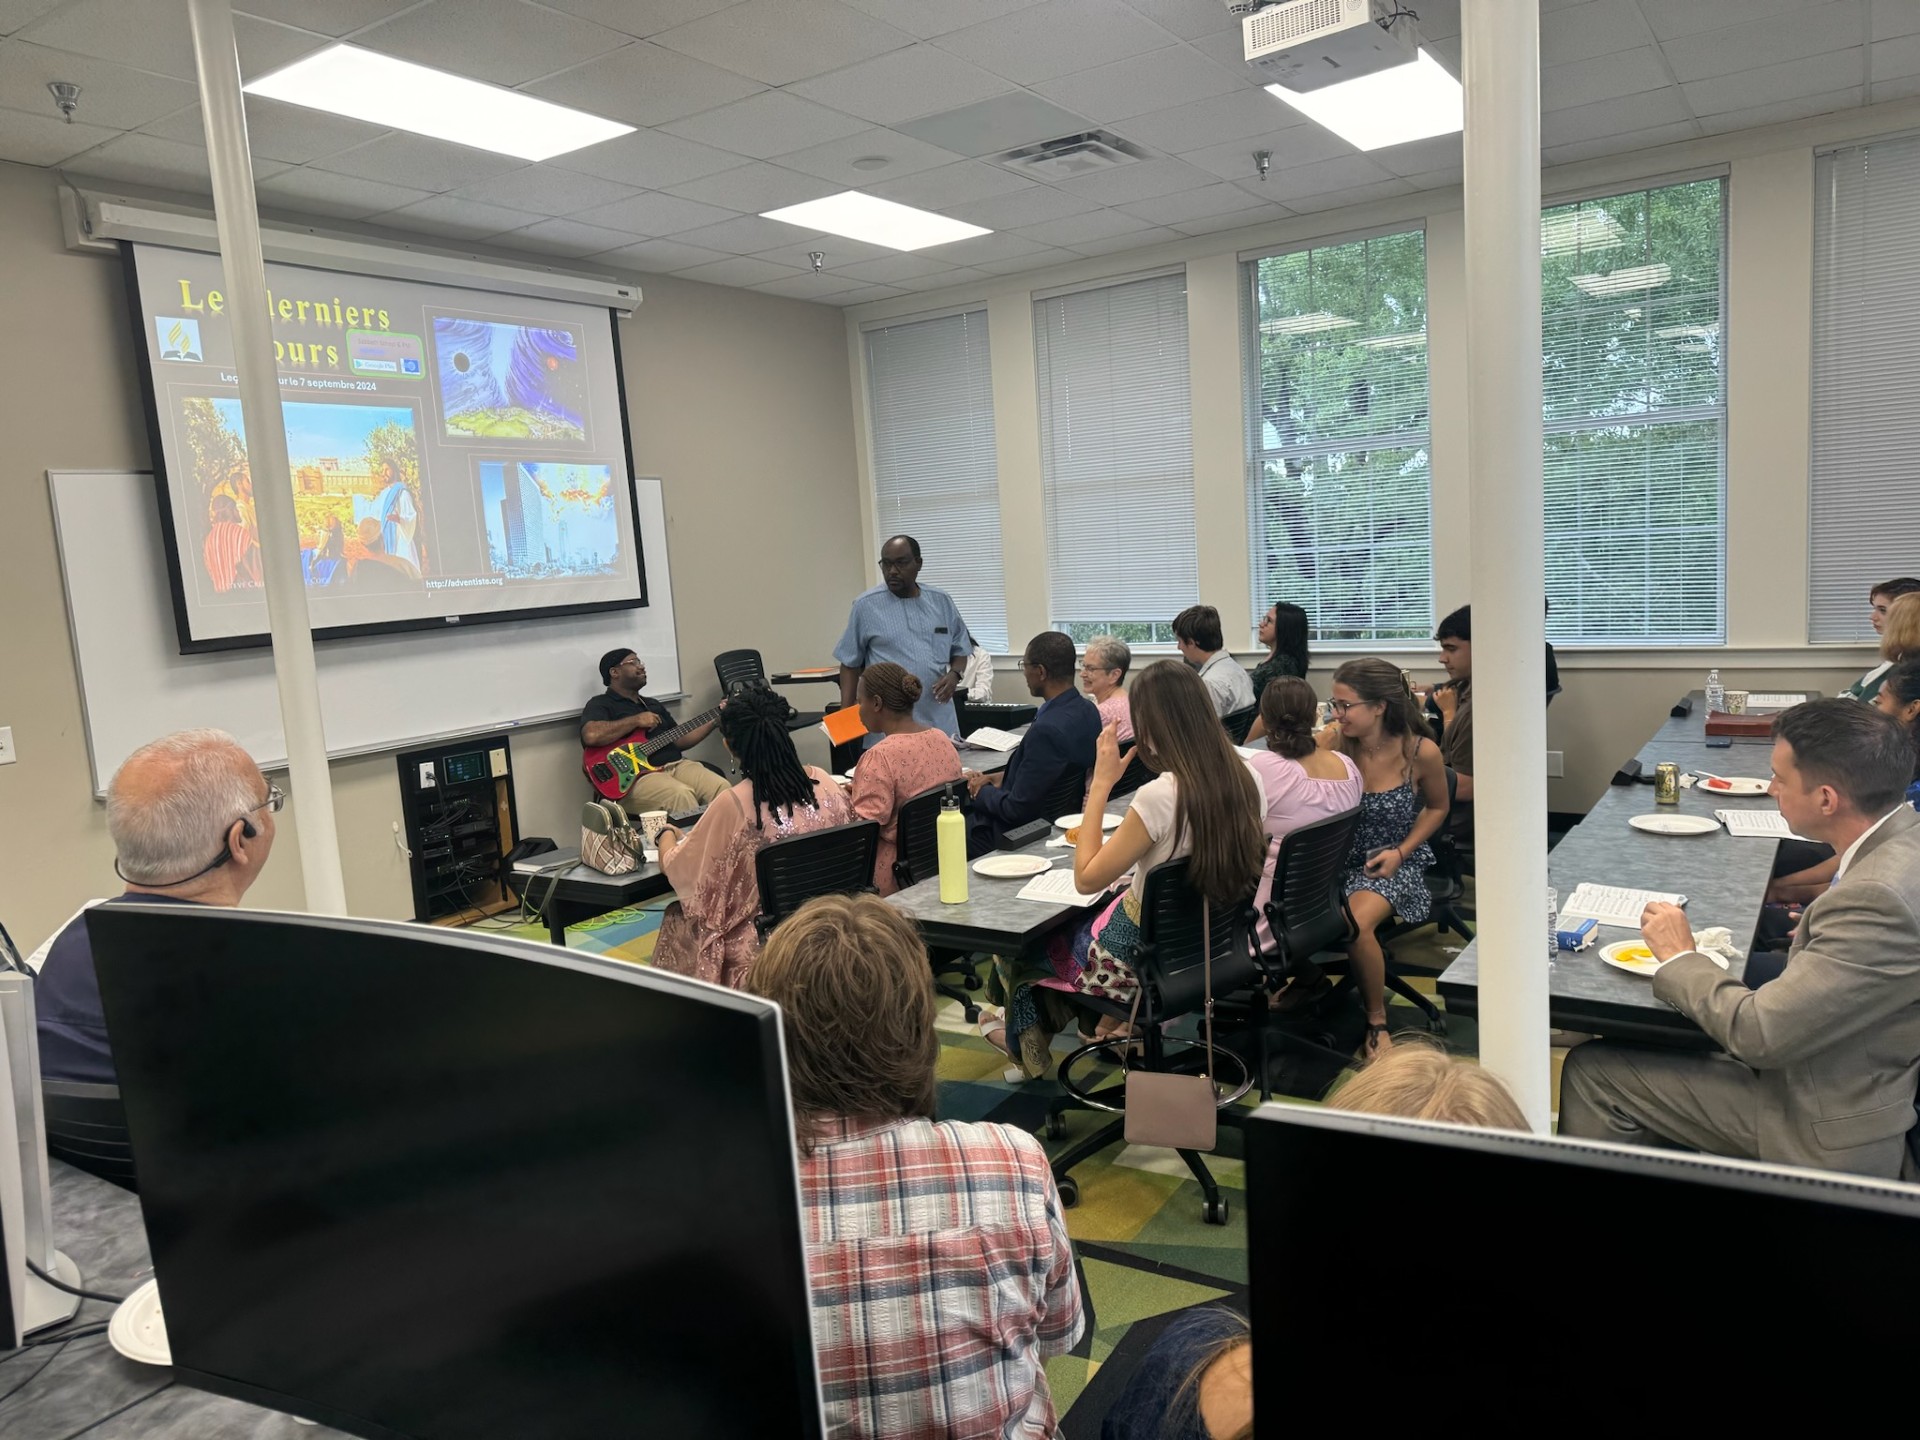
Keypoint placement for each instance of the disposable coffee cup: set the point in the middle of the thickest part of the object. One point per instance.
(652, 822)
(1736, 702)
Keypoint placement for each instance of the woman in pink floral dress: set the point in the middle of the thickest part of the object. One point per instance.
(908, 759)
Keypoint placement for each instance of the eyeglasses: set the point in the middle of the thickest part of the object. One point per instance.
(886, 564)
(1341, 707)
(276, 798)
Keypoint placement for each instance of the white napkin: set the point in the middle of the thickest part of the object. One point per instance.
(1716, 942)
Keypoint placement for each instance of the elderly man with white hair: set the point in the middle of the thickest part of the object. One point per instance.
(192, 823)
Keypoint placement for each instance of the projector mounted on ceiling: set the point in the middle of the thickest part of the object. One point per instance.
(1307, 45)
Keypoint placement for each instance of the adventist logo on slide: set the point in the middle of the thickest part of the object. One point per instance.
(179, 337)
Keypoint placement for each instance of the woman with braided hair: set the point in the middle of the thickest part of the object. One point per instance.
(908, 758)
(708, 930)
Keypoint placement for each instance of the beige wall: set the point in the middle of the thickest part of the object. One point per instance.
(739, 401)
(1613, 699)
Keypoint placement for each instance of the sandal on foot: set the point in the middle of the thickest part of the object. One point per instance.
(1378, 1039)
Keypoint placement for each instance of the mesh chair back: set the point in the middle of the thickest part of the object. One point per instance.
(1239, 722)
(917, 857)
(1307, 912)
(972, 714)
(1169, 958)
(87, 1128)
(1069, 793)
(835, 861)
(1133, 777)
(739, 667)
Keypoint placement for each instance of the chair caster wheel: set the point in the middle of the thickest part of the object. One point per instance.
(1439, 1025)
(1069, 1192)
(972, 981)
(972, 1012)
(1056, 1127)
(1214, 1212)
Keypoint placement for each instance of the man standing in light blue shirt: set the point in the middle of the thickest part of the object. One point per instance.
(914, 626)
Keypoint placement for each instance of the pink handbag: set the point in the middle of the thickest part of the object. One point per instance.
(1180, 1112)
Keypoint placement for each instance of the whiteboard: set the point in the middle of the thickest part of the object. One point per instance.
(377, 692)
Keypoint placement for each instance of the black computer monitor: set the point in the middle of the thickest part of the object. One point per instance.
(413, 1182)
(1502, 1259)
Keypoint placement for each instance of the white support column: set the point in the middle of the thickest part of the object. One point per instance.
(238, 222)
(1501, 53)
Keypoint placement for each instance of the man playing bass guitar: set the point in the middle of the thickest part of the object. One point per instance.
(674, 784)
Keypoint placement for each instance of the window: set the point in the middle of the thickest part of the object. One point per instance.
(935, 471)
(1337, 473)
(1635, 416)
(1116, 457)
(1866, 353)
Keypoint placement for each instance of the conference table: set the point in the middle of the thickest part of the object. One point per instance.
(1723, 877)
(566, 897)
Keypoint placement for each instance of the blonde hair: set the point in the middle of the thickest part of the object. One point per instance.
(1420, 1081)
(851, 975)
(1901, 636)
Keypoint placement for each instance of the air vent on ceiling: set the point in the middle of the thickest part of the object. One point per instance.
(1071, 155)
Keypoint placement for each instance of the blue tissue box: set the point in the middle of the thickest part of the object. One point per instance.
(1579, 935)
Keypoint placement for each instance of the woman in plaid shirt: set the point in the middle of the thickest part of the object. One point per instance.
(941, 1270)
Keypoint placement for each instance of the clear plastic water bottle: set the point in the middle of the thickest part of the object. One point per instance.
(1553, 924)
(1716, 692)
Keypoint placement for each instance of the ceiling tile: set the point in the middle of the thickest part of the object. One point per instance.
(1605, 77)
(1216, 199)
(895, 268)
(1634, 140)
(1044, 259)
(944, 279)
(148, 160)
(780, 41)
(1775, 112)
(1580, 32)
(1613, 117)
(1812, 75)
(1190, 19)
(1441, 179)
(919, 80)
(507, 42)
(1287, 187)
(1418, 157)
(1071, 230)
(1776, 40)
(1223, 47)
(644, 84)
(322, 192)
(927, 18)
(822, 287)
(1141, 180)
(32, 139)
(867, 293)
(277, 131)
(654, 214)
(838, 249)
(1056, 38)
(1023, 207)
(834, 160)
(1232, 220)
(17, 14)
(564, 237)
(153, 35)
(420, 162)
(1157, 80)
(744, 235)
(765, 125)
(1441, 18)
(1214, 121)
(1697, 16)
(987, 127)
(740, 270)
(1895, 58)
(1900, 87)
(660, 257)
(756, 188)
(979, 250)
(450, 215)
(1357, 195)
(950, 185)
(1135, 240)
(648, 160)
(111, 96)
(543, 190)
(329, 17)
(639, 17)
(1298, 145)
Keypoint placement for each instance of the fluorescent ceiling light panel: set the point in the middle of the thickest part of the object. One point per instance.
(1389, 107)
(366, 85)
(1572, 232)
(1312, 323)
(1625, 281)
(876, 221)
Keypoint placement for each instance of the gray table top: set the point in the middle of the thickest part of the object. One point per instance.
(1723, 878)
(87, 1385)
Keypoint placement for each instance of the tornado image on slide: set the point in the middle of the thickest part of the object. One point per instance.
(501, 381)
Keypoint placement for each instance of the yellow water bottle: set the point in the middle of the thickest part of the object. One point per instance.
(951, 831)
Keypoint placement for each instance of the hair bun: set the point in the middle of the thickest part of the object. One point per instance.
(911, 687)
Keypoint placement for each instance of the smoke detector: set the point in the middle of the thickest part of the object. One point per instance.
(1070, 155)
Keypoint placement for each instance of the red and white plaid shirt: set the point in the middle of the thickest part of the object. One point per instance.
(942, 1278)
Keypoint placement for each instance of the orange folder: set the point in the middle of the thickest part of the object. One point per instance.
(843, 725)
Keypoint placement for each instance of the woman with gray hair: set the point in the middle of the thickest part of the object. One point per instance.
(1103, 665)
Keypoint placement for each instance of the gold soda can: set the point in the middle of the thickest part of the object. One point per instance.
(1666, 783)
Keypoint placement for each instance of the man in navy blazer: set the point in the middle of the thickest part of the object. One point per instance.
(1061, 739)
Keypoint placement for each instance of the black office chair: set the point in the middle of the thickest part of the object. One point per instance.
(87, 1128)
(736, 668)
(835, 861)
(1169, 963)
(1069, 793)
(1446, 882)
(1132, 778)
(1239, 722)
(918, 858)
(972, 714)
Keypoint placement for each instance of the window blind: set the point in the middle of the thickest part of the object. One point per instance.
(1633, 343)
(1865, 491)
(935, 470)
(1339, 501)
(1116, 457)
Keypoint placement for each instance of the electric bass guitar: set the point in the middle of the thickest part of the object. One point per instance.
(614, 768)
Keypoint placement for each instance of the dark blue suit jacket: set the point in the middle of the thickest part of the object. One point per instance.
(1061, 738)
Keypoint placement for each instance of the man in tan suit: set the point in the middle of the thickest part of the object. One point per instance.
(1821, 1063)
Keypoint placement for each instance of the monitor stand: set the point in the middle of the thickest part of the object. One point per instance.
(47, 1305)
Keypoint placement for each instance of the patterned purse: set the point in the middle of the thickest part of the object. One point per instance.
(609, 841)
(1180, 1112)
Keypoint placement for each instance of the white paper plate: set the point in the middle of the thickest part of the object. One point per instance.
(1633, 957)
(1070, 822)
(137, 1330)
(1674, 824)
(1732, 785)
(1011, 867)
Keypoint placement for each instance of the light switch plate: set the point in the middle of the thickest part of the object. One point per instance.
(1556, 764)
(497, 762)
(7, 755)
